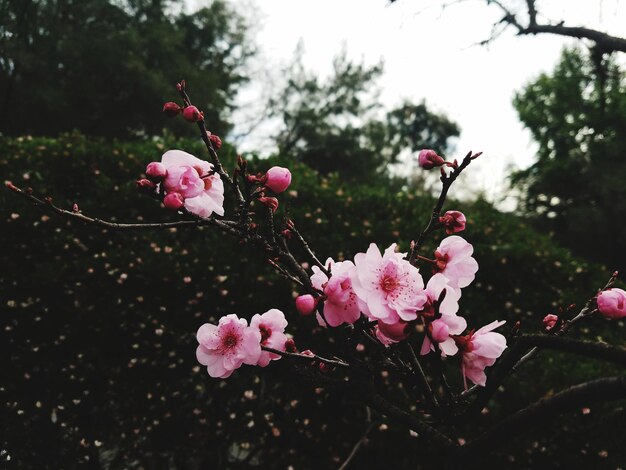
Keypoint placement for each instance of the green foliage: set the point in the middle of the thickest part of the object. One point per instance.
(577, 115)
(97, 327)
(335, 126)
(106, 67)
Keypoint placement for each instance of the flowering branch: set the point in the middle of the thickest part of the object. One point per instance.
(433, 222)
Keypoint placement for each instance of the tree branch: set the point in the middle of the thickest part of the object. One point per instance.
(542, 411)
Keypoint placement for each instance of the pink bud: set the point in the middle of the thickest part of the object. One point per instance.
(75, 208)
(290, 345)
(156, 171)
(191, 114)
(307, 352)
(439, 331)
(270, 202)
(549, 321)
(395, 331)
(453, 222)
(306, 304)
(11, 186)
(171, 109)
(181, 86)
(428, 159)
(277, 179)
(145, 184)
(173, 201)
(612, 303)
(216, 141)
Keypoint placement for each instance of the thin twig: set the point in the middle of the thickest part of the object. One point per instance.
(418, 372)
(305, 357)
(357, 446)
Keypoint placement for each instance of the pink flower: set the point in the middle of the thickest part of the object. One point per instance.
(389, 334)
(388, 287)
(612, 303)
(441, 331)
(453, 221)
(306, 304)
(480, 350)
(173, 201)
(225, 347)
(271, 325)
(454, 261)
(549, 321)
(278, 179)
(428, 159)
(435, 287)
(340, 305)
(202, 192)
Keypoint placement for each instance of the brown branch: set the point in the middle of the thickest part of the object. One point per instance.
(418, 373)
(604, 41)
(542, 411)
(305, 357)
(432, 225)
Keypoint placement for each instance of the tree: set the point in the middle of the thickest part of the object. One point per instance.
(338, 125)
(577, 115)
(97, 65)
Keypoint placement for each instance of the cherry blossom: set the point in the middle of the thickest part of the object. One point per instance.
(340, 305)
(277, 179)
(480, 349)
(389, 334)
(453, 221)
(454, 260)
(441, 332)
(388, 287)
(191, 178)
(226, 346)
(271, 325)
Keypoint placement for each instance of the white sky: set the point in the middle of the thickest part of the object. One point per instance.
(428, 54)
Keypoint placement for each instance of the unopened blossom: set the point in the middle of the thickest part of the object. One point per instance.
(441, 332)
(454, 260)
(277, 179)
(428, 159)
(612, 303)
(192, 114)
(393, 333)
(270, 202)
(156, 171)
(340, 304)
(549, 321)
(201, 190)
(388, 287)
(453, 221)
(171, 109)
(226, 346)
(306, 304)
(173, 201)
(272, 326)
(480, 349)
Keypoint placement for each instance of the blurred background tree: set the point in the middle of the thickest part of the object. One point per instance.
(106, 67)
(339, 125)
(577, 116)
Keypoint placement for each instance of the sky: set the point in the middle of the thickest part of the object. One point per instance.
(430, 54)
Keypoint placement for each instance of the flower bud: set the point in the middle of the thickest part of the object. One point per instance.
(612, 303)
(173, 201)
(306, 304)
(270, 202)
(216, 141)
(394, 332)
(156, 171)
(549, 321)
(191, 114)
(145, 184)
(171, 109)
(453, 222)
(277, 179)
(428, 159)
(290, 345)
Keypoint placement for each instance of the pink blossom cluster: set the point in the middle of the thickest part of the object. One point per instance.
(390, 291)
(185, 181)
(232, 342)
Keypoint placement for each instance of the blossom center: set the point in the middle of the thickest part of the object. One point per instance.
(230, 340)
(388, 284)
(265, 332)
